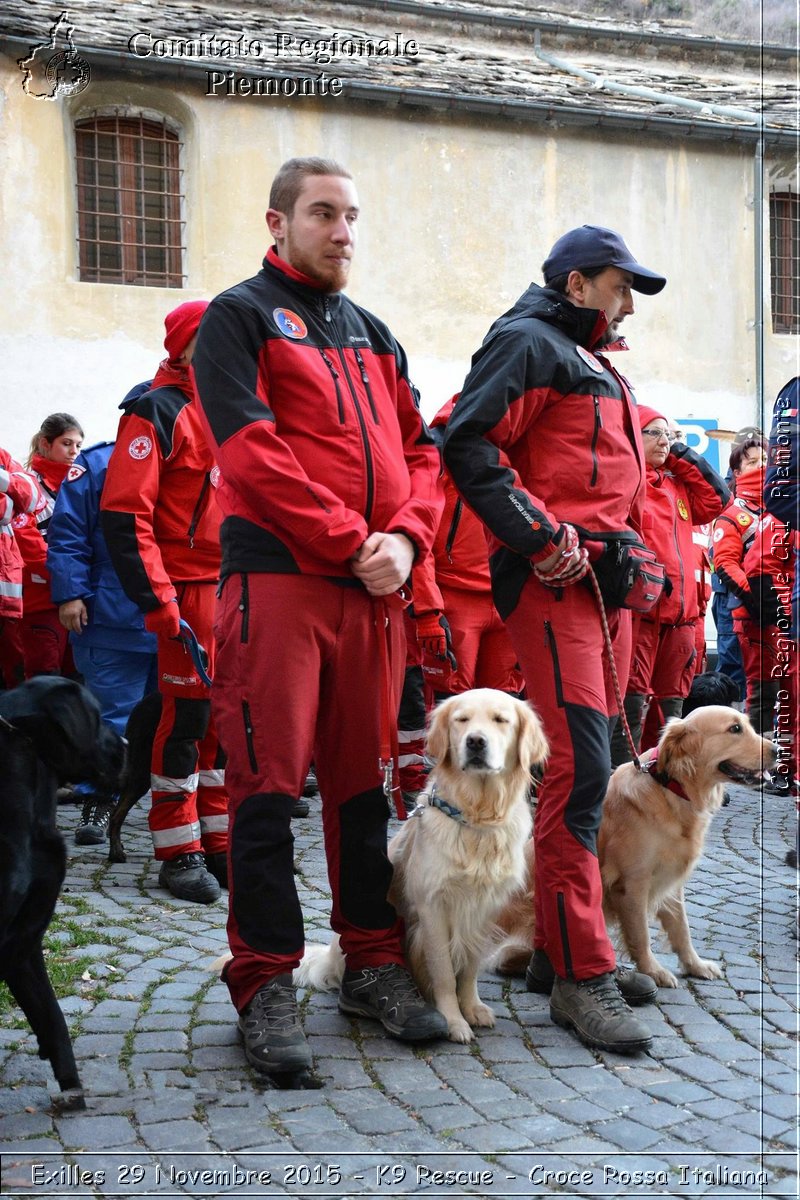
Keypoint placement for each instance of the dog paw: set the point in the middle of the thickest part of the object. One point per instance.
(660, 976)
(703, 968)
(458, 1030)
(480, 1016)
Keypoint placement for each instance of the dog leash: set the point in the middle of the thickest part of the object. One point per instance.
(389, 748)
(613, 666)
(197, 652)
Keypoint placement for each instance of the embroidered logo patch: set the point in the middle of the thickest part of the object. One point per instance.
(683, 511)
(718, 535)
(743, 518)
(140, 447)
(213, 476)
(589, 359)
(289, 323)
(75, 472)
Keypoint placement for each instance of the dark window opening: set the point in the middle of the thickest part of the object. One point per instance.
(784, 245)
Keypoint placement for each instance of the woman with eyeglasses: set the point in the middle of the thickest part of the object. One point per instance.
(683, 490)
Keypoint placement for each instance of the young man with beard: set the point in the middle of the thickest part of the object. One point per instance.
(329, 492)
(544, 445)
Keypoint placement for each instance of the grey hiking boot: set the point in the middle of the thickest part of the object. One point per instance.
(388, 994)
(635, 987)
(188, 878)
(92, 829)
(274, 1041)
(595, 1010)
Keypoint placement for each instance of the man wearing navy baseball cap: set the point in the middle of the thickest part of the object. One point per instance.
(544, 446)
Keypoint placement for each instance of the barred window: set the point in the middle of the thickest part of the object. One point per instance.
(784, 240)
(129, 202)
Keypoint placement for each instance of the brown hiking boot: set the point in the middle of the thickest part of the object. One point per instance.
(595, 1011)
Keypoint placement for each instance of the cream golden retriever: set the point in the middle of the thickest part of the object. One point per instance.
(460, 856)
(652, 833)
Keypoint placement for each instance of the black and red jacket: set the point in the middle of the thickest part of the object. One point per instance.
(158, 509)
(314, 424)
(544, 433)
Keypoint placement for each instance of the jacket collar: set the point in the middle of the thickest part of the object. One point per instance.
(586, 326)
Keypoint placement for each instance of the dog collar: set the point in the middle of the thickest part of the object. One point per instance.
(450, 810)
(663, 778)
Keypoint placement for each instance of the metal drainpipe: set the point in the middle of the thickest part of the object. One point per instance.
(600, 83)
(758, 201)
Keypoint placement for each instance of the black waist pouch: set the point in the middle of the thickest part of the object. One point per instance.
(629, 576)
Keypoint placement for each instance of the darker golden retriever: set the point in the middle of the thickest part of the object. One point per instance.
(651, 836)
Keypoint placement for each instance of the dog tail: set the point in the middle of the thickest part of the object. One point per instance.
(511, 957)
(322, 967)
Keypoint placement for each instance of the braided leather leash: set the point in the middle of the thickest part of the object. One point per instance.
(614, 676)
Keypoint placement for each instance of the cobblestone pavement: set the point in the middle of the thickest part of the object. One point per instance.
(174, 1110)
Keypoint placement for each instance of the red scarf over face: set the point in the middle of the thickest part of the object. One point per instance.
(52, 473)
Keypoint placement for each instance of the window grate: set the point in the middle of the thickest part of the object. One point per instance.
(784, 238)
(130, 191)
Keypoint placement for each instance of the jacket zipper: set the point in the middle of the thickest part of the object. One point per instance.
(244, 609)
(368, 463)
(335, 374)
(198, 509)
(365, 380)
(598, 425)
(550, 642)
(451, 533)
(680, 567)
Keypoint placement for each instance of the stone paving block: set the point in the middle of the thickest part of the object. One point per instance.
(342, 1074)
(578, 1112)
(626, 1133)
(90, 1132)
(175, 1135)
(25, 1124)
(163, 1040)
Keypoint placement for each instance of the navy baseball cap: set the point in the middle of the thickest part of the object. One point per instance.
(594, 246)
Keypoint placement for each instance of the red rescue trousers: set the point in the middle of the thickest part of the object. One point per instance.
(298, 677)
(190, 805)
(481, 644)
(558, 639)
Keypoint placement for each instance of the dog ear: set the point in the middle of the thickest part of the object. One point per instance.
(437, 743)
(677, 749)
(532, 747)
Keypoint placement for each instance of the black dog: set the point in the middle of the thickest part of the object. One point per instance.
(140, 733)
(50, 731)
(711, 687)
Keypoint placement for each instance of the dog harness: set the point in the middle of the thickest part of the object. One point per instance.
(663, 778)
(450, 810)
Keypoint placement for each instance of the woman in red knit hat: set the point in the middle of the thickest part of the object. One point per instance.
(682, 491)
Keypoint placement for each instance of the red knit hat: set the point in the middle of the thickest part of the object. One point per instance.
(646, 415)
(181, 325)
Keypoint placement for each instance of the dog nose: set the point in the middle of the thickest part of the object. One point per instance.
(476, 742)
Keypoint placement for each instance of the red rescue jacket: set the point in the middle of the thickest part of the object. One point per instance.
(315, 425)
(686, 491)
(158, 509)
(460, 555)
(733, 532)
(31, 534)
(20, 499)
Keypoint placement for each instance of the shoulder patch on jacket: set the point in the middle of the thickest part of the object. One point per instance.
(161, 407)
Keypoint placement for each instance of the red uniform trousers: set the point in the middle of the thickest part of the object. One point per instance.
(559, 642)
(45, 644)
(481, 644)
(190, 805)
(12, 654)
(662, 663)
(298, 676)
